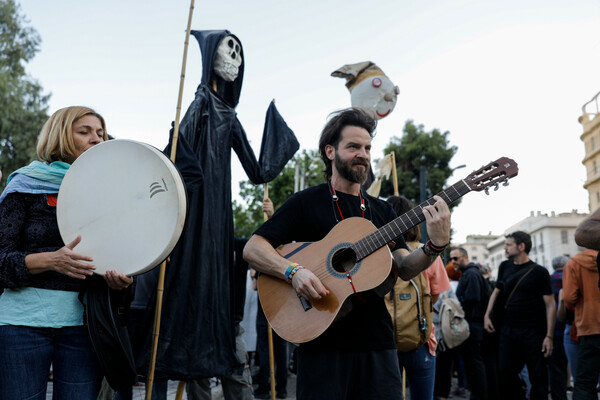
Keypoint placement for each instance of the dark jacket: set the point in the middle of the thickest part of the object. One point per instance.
(472, 294)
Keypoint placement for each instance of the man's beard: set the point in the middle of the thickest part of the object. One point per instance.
(345, 169)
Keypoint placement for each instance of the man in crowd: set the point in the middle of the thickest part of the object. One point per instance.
(557, 363)
(580, 292)
(527, 330)
(472, 294)
(356, 356)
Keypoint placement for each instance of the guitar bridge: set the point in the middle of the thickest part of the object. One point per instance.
(305, 303)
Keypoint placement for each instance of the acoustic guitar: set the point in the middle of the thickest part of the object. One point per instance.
(354, 256)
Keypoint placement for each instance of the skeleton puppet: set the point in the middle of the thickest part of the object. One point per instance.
(197, 329)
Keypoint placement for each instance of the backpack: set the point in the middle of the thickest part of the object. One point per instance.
(454, 328)
(409, 304)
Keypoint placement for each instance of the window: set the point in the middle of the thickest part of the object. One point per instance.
(564, 235)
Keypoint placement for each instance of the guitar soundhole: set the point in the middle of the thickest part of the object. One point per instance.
(343, 260)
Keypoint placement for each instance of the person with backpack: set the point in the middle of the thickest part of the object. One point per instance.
(410, 304)
(473, 296)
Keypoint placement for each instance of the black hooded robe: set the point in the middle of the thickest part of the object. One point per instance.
(197, 329)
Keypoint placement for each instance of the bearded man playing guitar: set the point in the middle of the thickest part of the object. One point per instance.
(354, 356)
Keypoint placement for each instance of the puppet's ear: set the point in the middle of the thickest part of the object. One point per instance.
(351, 71)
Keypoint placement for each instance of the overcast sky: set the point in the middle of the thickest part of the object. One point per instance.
(505, 78)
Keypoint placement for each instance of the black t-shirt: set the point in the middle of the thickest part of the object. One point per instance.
(526, 307)
(307, 217)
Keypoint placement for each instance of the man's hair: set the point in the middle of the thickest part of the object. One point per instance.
(559, 261)
(333, 128)
(401, 204)
(485, 269)
(521, 237)
(462, 251)
(55, 142)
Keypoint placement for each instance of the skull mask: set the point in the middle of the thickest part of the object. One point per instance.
(228, 59)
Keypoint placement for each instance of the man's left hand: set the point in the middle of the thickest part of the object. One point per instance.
(437, 217)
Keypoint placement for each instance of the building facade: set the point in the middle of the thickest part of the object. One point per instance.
(551, 235)
(477, 247)
(590, 120)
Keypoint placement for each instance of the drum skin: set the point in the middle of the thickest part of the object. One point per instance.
(127, 201)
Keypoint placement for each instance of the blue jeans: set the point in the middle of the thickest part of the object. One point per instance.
(25, 357)
(419, 366)
(571, 350)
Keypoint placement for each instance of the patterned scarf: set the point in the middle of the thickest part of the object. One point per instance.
(36, 178)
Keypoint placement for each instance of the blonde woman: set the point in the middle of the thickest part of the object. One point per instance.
(41, 317)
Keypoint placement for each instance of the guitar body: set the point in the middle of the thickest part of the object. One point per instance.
(284, 309)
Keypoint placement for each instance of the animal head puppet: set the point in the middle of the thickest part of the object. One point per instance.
(370, 89)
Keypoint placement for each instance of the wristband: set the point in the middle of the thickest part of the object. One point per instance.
(288, 271)
(293, 272)
(431, 250)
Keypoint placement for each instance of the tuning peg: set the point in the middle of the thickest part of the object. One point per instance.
(505, 182)
(496, 187)
(487, 190)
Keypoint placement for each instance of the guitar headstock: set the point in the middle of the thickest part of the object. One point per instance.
(492, 175)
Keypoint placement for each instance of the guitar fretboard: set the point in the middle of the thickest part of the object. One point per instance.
(398, 226)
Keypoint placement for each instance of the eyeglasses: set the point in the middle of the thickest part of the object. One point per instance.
(454, 258)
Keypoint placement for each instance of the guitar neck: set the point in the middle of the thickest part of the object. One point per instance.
(398, 226)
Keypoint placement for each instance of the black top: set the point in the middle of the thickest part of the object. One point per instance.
(29, 226)
(526, 307)
(307, 217)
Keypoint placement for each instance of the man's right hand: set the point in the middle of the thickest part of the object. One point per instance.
(308, 285)
(487, 324)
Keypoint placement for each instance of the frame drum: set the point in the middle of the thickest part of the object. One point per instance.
(127, 201)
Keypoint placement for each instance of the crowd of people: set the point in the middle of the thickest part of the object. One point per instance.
(528, 329)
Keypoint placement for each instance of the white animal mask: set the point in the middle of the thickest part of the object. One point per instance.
(228, 59)
(376, 95)
(370, 89)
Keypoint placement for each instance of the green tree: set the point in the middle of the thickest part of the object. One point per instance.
(248, 216)
(23, 106)
(418, 148)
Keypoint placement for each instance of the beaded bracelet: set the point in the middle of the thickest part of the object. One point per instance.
(288, 271)
(431, 250)
(293, 272)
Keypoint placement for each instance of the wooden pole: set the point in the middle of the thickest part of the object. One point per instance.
(163, 266)
(269, 328)
(395, 175)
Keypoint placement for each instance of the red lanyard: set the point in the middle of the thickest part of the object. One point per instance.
(335, 199)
